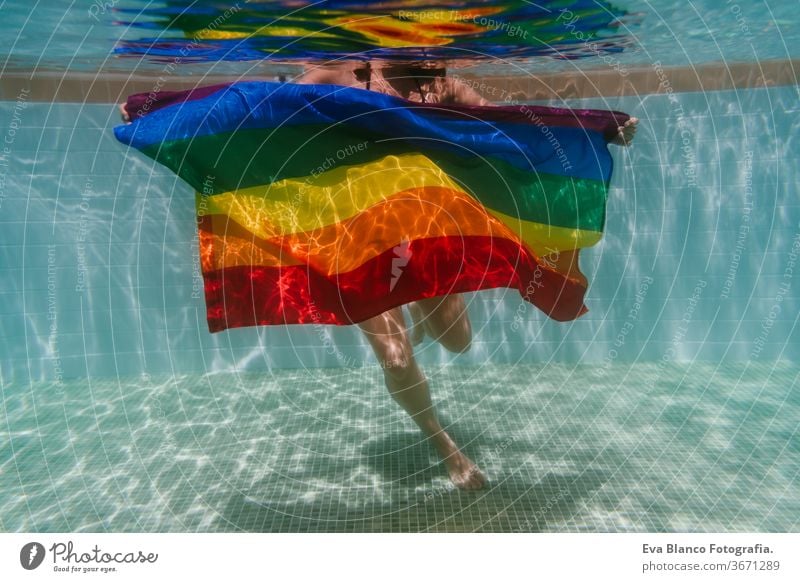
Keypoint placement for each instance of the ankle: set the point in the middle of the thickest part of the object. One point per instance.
(443, 444)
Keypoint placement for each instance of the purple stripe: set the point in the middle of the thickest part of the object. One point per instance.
(140, 104)
(605, 122)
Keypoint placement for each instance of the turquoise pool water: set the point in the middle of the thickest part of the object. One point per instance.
(672, 405)
(102, 273)
(683, 447)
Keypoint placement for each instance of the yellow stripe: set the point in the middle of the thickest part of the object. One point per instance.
(545, 238)
(343, 246)
(302, 205)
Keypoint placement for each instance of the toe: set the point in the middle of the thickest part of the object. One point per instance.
(476, 479)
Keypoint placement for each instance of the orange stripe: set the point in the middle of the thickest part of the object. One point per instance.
(338, 248)
(236, 246)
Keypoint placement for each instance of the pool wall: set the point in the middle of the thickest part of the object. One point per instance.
(699, 259)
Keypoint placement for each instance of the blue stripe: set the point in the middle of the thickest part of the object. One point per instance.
(263, 105)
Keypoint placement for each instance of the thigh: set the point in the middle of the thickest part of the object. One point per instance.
(447, 321)
(387, 335)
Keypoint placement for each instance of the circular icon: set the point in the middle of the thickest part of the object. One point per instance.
(31, 555)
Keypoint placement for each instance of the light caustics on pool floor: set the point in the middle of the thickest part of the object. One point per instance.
(642, 447)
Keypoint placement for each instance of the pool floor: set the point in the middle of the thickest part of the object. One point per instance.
(642, 447)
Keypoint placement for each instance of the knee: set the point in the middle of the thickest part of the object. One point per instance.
(458, 345)
(459, 338)
(397, 362)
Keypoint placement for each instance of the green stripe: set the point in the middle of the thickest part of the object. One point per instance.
(247, 158)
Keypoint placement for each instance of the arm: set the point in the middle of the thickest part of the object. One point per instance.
(319, 76)
(463, 94)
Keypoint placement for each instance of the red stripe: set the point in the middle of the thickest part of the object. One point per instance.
(246, 296)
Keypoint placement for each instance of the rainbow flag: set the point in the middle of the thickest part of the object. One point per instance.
(176, 31)
(328, 204)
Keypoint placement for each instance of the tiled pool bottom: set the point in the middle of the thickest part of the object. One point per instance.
(692, 447)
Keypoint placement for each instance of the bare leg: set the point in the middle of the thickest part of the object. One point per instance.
(408, 386)
(417, 331)
(445, 320)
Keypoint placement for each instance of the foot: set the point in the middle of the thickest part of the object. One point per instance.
(124, 113)
(625, 133)
(463, 472)
(417, 333)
